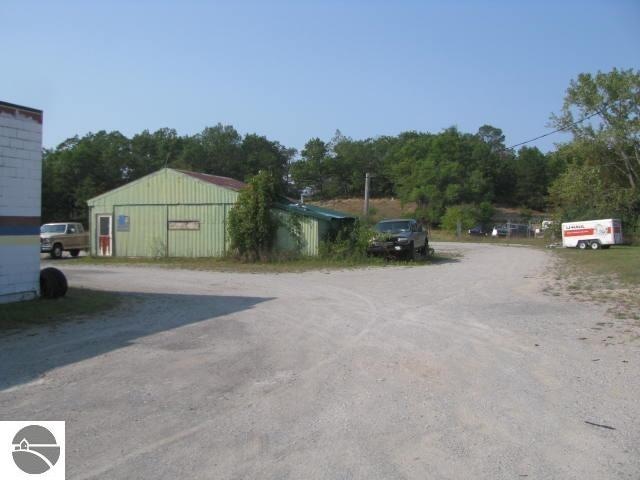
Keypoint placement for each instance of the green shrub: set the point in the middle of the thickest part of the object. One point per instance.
(350, 243)
(466, 214)
(252, 225)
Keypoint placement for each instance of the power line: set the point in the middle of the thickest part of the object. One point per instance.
(557, 130)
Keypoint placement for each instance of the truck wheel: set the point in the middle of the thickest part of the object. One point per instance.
(56, 251)
(595, 245)
(411, 252)
(582, 245)
(75, 252)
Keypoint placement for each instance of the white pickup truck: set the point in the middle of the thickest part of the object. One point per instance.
(593, 234)
(56, 238)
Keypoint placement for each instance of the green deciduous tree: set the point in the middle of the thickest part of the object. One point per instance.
(603, 174)
(583, 193)
(612, 100)
(468, 216)
(252, 224)
(532, 178)
(458, 213)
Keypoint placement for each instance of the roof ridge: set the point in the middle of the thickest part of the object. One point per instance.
(226, 182)
(207, 174)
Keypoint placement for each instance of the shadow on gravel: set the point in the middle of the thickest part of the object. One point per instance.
(437, 260)
(35, 350)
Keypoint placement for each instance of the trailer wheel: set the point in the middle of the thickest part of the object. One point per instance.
(595, 245)
(582, 245)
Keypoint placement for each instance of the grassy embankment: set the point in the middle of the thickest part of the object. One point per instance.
(604, 276)
(77, 303)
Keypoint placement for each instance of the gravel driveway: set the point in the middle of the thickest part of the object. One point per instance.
(460, 370)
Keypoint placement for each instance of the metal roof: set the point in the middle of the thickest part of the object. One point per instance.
(225, 182)
(231, 185)
(314, 211)
(384, 220)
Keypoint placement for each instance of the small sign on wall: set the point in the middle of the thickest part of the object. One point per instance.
(184, 225)
(122, 225)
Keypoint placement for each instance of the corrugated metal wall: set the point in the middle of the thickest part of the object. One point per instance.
(208, 241)
(310, 235)
(152, 201)
(147, 235)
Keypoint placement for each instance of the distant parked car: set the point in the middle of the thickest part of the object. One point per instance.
(399, 237)
(56, 238)
(477, 231)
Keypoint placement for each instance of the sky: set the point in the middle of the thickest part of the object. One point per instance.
(296, 70)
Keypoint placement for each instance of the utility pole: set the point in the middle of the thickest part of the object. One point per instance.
(367, 179)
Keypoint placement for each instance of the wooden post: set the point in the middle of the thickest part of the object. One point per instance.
(367, 179)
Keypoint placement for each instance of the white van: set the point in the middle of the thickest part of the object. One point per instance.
(592, 234)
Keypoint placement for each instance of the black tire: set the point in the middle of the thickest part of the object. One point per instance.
(582, 245)
(75, 252)
(53, 283)
(411, 253)
(595, 245)
(56, 251)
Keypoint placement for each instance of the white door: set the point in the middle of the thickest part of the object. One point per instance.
(105, 240)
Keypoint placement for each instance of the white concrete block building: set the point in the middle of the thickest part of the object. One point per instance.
(20, 203)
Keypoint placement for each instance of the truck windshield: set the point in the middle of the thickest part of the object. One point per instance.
(393, 227)
(52, 228)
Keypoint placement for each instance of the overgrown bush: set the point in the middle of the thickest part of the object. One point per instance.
(252, 224)
(350, 243)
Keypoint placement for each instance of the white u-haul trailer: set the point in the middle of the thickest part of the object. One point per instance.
(592, 234)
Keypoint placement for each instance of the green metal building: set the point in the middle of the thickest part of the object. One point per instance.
(175, 213)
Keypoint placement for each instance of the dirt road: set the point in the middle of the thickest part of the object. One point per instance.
(464, 369)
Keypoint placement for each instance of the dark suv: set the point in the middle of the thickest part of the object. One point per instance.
(399, 237)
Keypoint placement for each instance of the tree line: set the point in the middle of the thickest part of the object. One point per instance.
(83, 167)
(433, 170)
(596, 174)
